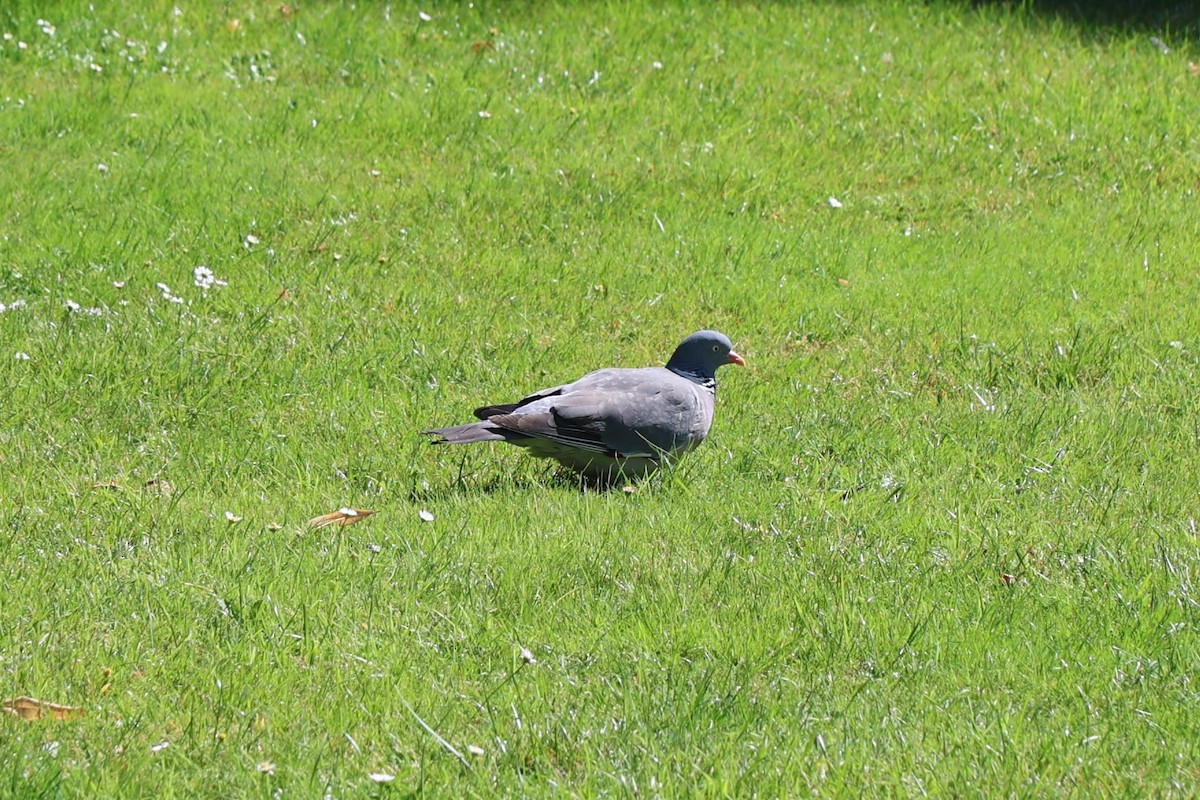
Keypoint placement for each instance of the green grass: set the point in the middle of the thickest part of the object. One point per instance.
(941, 541)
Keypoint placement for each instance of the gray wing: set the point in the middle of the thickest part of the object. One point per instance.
(487, 412)
(617, 412)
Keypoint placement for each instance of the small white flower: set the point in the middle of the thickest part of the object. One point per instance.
(232, 517)
(267, 767)
(203, 277)
(424, 17)
(527, 656)
(474, 749)
(102, 168)
(95, 68)
(834, 202)
(22, 356)
(485, 115)
(72, 305)
(159, 747)
(656, 64)
(251, 239)
(426, 516)
(119, 284)
(381, 777)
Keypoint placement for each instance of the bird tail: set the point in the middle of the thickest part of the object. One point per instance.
(471, 432)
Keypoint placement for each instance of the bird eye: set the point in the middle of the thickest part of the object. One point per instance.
(716, 348)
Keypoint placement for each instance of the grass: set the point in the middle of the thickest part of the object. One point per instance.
(942, 539)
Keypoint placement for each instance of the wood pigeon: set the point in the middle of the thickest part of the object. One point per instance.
(612, 423)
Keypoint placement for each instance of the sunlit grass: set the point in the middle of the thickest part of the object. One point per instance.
(941, 540)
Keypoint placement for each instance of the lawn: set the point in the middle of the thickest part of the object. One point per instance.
(942, 539)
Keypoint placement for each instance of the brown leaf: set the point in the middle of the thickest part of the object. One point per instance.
(1194, 68)
(29, 709)
(479, 47)
(343, 516)
(159, 486)
(106, 485)
(1007, 579)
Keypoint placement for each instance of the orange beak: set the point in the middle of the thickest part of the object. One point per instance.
(734, 358)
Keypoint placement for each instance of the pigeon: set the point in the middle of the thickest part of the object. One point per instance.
(612, 423)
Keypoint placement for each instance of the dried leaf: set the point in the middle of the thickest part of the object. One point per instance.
(29, 709)
(159, 486)
(106, 485)
(1007, 579)
(343, 516)
(1194, 68)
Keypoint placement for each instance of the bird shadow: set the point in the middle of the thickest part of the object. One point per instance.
(560, 479)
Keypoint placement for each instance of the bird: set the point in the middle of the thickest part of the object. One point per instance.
(614, 423)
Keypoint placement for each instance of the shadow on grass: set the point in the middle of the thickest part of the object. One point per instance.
(557, 479)
(477, 483)
(1152, 16)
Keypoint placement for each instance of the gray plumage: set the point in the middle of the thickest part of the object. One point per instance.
(612, 423)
